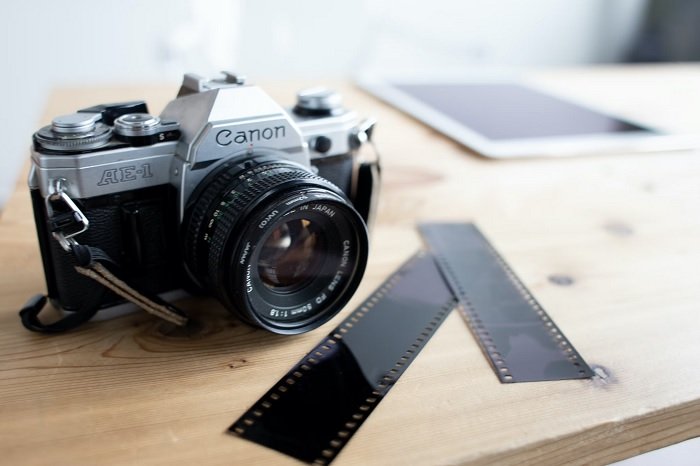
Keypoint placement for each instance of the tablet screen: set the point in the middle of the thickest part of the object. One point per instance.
(509, 111)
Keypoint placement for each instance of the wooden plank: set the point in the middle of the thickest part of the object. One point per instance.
(624, 227)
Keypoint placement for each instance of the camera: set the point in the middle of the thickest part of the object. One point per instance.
(226, 193)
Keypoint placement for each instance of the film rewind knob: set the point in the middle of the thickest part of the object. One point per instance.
(319, 101)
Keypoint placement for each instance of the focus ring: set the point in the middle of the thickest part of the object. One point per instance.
(199, 209)
(217, 185)
(234, 213)
(231, 191)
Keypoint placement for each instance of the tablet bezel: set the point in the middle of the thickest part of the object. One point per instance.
(552, 146)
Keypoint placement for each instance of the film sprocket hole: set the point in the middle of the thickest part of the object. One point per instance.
(225, 192)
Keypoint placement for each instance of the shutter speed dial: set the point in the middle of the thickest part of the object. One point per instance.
(74, 132)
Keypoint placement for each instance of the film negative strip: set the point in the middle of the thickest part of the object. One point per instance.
(314, 410)
(517, 336)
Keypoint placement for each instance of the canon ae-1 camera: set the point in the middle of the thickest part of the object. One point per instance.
(225, 193)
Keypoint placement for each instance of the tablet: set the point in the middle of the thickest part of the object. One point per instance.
(502, 119)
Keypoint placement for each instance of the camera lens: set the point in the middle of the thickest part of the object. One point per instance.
(279, 246)
(292, 254)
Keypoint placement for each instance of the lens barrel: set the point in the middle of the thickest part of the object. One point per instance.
(280, 247)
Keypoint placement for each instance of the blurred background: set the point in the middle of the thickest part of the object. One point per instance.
(49, 44)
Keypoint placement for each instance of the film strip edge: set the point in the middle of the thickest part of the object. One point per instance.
(473, 320)
(554, 331)
(381, 388)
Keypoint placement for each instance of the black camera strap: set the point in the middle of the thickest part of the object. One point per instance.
(30, 316)
(94, 263)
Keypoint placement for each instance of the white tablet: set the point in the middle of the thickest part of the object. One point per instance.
(503, 119)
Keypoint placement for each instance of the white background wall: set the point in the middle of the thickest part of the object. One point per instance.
(48, 43)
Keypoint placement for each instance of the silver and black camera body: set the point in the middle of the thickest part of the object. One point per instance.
(225, 192)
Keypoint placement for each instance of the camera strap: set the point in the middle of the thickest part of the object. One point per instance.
(67, 221)
(94, 263)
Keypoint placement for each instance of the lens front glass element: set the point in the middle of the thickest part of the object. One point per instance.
(292, 255)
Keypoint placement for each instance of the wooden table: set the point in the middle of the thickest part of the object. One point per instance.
(625, 228)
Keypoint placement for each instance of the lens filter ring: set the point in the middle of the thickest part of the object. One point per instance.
(313, 276)
(280, 247)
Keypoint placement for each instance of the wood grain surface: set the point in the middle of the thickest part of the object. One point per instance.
(610, 245)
